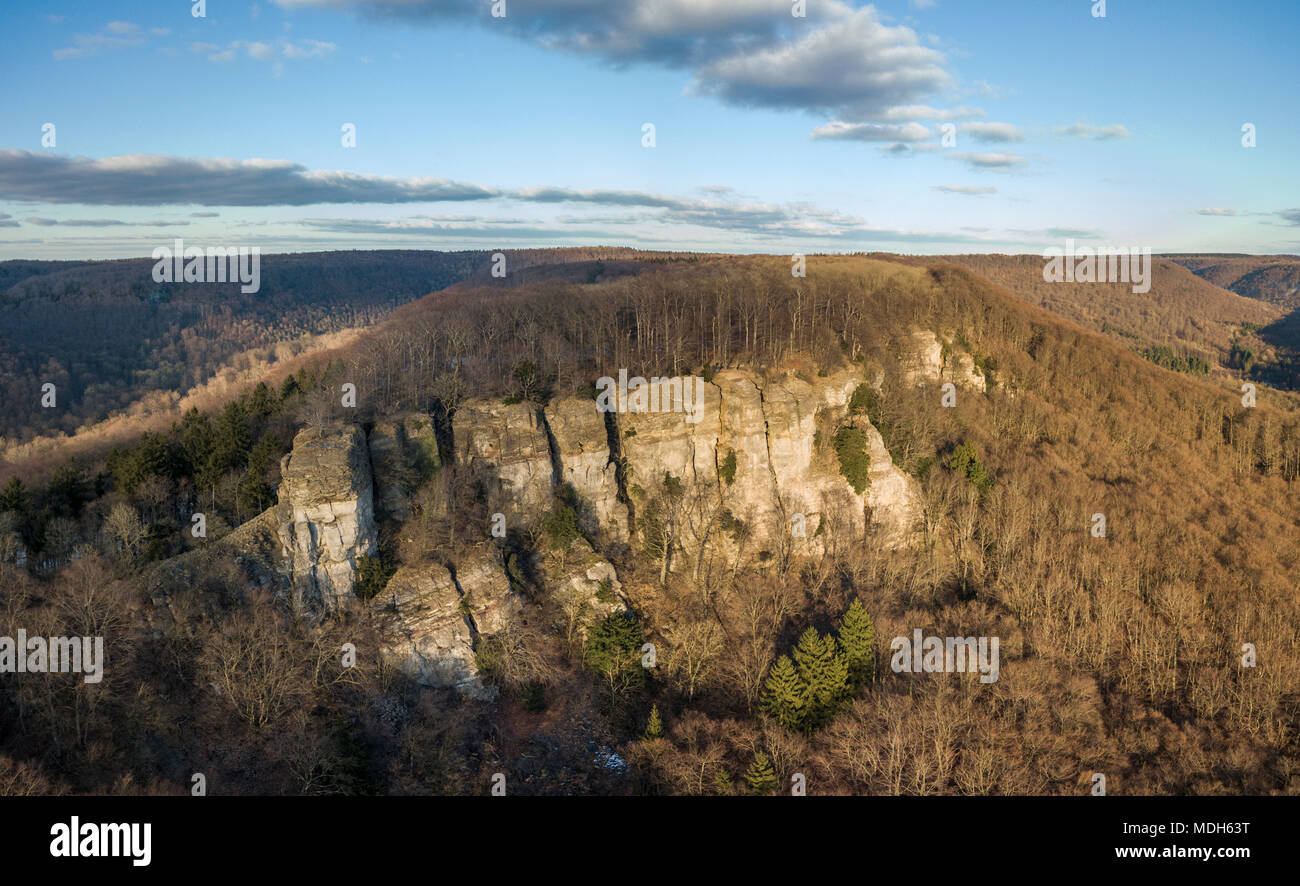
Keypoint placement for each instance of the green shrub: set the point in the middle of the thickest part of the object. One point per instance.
(372, 577)
(560, 526)
(728, 467)
(855, 463)
(965, 461)
(863, 399)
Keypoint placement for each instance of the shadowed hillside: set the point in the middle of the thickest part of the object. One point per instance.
(106, 335)
(1274, 279)
(1271, 278)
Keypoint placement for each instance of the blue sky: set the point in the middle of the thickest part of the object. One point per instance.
(772, 133)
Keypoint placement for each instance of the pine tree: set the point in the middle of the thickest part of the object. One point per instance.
(262, 403)
(760, 776)
(197, 439)
(858, 639)
(823, 669)
(784, 696)
(14, 497)
(654, 727)
(289, 388)
(835, 688)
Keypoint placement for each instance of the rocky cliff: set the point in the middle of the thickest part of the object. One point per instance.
(505, 448)
(431, 617)
(325, 515)
(403, 452)
(754, 473)
(931, 360)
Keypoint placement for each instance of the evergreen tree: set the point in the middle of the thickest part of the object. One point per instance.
(152, 456)
(68, 491)
(785, 695)
(289, 388)
(196, 439)
(231, 444)
(654, 727)
(613, 651)
(262, 403)
(760, 776)
(858, 640)
(965, 461)
(823, 669)
(14, 497)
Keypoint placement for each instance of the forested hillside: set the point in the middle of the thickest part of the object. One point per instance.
(1122, 652)
(1183, 323)
(1271, 278)
(105, 334)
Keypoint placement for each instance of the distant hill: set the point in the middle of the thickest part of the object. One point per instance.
(1274, 279)
(1271, 278)
(106, 334)
(1184, 321)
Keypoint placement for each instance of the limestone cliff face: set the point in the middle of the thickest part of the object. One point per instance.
(801, 415)
(659, 443)
(325, 516)
(430, 618)
(932, 361)
(758, 451)
(582, 448)
(425, 632)
(506, 448)
(761, 448)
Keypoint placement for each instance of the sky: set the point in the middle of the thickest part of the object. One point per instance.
(912, 126)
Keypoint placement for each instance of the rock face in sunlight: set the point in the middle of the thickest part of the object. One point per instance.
(326, 512)
(931, 361)
(582, 446)
(754, 471)
(754, 474)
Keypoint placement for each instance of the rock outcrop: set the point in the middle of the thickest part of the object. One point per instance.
(754, 472)
(325, 514)
(583, 584)
(403, 451)
(430, 619)
(505, 447)
(762, 446)
(582, 448)
(930, 360)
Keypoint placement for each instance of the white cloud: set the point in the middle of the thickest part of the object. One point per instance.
(265, 52)
(872, 132)
(114, 35)
(999, 160)
(925, 112)
(1092, 133)
(840, 59)
(993, 132)
(967, 190)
